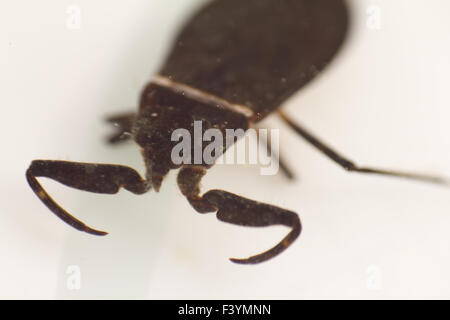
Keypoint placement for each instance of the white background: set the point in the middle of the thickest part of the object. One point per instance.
(384, 102)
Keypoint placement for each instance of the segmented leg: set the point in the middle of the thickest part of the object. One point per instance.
(277, 157)
(237, 210)
(124, 123)
(98, 178)
(350, 165)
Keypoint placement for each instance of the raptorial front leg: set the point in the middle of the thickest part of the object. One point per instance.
(238, 210)
(124, 123)
(98, 178)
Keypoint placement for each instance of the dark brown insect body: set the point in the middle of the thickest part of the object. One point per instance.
(234, 62)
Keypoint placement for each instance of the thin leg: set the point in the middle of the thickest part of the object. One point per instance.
(349, 165)
(277, 157)
(124, 123)
(240, 211)
(98, 178)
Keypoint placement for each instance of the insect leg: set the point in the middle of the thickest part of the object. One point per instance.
(277, 157)
(124, 123)
(350, 165)
(240, 211)
(98, 178)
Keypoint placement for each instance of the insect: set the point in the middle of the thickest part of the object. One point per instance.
(233, 63)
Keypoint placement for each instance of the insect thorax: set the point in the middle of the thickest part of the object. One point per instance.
(165, 113)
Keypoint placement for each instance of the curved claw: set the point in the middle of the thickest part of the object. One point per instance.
(279, 248)
(56, 209)
(241, 211)
(92, 177)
